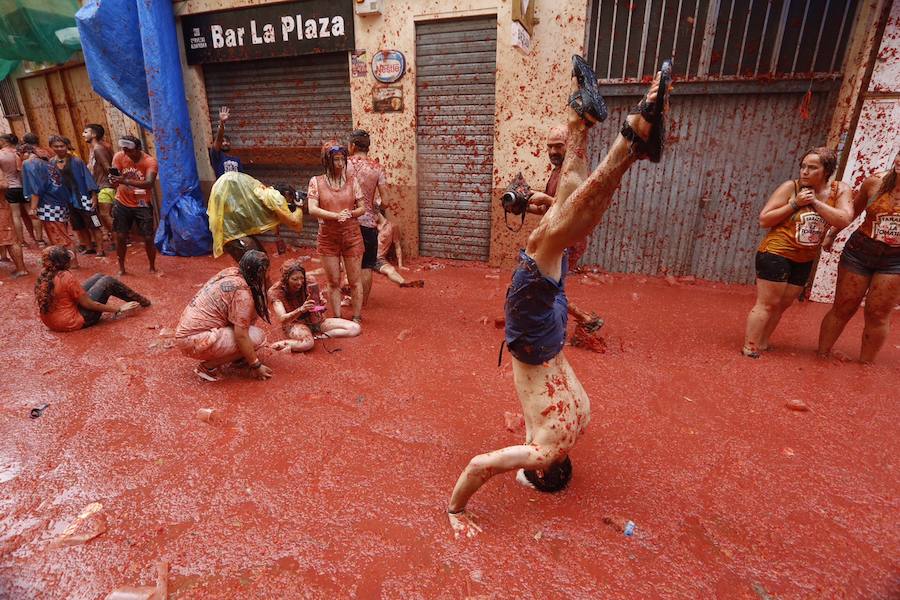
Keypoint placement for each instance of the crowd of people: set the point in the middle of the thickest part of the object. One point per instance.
(50, 192)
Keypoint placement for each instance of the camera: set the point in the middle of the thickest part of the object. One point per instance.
(515, 199)
(514, 202)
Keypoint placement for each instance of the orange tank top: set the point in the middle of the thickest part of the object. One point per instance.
(882, 221)
(798, 237)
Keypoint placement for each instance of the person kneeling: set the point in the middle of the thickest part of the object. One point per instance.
(65, 305)
(217, 326)
(297, 305)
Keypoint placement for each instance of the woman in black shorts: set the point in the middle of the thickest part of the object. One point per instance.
(869, 266)
(796, 215)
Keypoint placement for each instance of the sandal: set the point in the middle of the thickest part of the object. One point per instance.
(587, 101)
(593, 325)
(206, 374)
(653, 113)
(749, 353)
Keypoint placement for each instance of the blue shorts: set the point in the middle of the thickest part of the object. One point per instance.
(868, 256)
(536, 312)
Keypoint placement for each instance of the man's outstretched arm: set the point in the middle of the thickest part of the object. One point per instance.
(224, 113)
(483, 467)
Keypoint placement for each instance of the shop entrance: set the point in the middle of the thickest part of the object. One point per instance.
(282, 109)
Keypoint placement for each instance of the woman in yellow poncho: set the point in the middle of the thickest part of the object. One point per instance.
(241, 207)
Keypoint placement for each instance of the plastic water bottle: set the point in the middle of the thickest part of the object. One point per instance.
(629, 528)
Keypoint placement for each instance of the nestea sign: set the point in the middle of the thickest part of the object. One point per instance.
(269, 31)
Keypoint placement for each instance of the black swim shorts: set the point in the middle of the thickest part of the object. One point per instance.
(124, 217)
(773, 267)
(15, 196)
(370, 242)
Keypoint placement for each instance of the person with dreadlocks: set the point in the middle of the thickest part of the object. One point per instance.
(555, 405)
(297, 307)
(337, 200)
(64, 305)
(217, 326)
(42, 184)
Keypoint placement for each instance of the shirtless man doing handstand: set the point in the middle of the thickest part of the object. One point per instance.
(555, 405)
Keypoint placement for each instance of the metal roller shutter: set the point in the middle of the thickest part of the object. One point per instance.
(455, 62)
(282, 109)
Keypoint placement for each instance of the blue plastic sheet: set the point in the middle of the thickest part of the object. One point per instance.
(114, 57)
(131, 52)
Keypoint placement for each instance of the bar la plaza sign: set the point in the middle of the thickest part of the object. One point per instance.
(268, 31)
(388, 65)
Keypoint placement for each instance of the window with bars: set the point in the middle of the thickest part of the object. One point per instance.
(711, 39)
(8, 99)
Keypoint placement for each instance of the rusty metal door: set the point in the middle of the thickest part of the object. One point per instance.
(282, 109)
(455, 63)
(696, 212)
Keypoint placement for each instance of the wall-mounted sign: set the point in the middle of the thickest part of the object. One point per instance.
(388, 98)
(268, 31)
(358, 63)
(523, 12)
(388, 65)
(520, 38)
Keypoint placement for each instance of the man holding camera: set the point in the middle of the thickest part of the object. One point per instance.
(585, 323)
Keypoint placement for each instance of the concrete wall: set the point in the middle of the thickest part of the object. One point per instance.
(531, 92)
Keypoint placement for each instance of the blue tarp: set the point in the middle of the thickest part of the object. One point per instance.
(131, 52)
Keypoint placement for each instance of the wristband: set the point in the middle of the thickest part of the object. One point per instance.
(794, 204)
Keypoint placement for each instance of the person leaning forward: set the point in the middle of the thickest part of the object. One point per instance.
(217, 327)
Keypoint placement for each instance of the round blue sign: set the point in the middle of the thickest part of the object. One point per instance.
(388, 65)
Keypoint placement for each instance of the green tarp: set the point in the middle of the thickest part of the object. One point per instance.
(7, 67)
(41, 31)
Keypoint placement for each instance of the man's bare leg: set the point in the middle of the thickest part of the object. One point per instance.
(575, 216)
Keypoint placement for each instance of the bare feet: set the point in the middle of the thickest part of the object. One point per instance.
(463, 524)
(127, 308)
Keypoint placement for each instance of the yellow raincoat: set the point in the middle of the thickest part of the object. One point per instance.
(240, 206)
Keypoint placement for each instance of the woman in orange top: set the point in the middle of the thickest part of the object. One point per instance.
(797, 215)
(869, 267)
(66, 305)
(336, 199)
